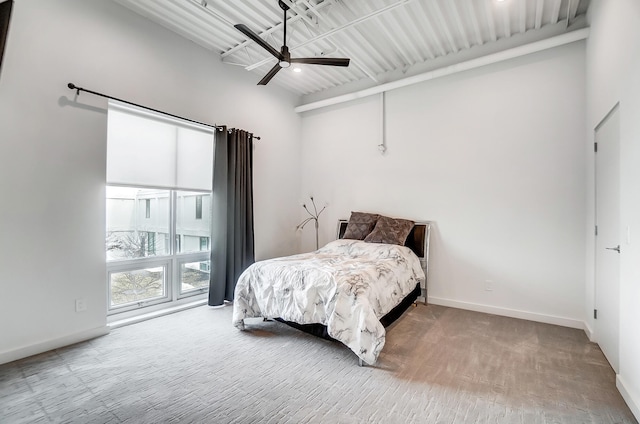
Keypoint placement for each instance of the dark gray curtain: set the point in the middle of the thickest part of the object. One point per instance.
(232, 249)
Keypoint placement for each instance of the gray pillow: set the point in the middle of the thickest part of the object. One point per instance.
(360, 225)
(390, 231)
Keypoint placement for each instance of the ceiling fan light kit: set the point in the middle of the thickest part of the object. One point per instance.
(284, 57)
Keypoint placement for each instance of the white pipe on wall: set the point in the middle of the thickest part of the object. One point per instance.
(382, 147)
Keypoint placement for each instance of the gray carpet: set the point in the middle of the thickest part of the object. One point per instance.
(439, 365)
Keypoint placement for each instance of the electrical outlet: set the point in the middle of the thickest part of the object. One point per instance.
(488, 285)
(81, 305)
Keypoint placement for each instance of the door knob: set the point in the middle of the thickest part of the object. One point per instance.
(617, 248)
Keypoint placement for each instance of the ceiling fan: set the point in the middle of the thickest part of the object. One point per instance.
(284, 58)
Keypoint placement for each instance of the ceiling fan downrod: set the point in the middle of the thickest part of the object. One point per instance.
(285, 62)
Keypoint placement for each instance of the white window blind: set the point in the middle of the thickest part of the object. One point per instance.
(153, 150)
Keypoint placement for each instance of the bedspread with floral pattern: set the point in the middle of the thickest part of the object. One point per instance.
(346, 285)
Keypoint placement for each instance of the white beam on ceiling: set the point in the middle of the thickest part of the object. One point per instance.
(566, 38)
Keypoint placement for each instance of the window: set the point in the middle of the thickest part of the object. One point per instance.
(159, 174)
(204, 243)
(194, 277)
(129, 236)
(198, 207)
(151, 243)
(189, 228)
(137, 285)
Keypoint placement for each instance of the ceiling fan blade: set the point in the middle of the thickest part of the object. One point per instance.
(255, 37)
(272, 73)
(331, 61)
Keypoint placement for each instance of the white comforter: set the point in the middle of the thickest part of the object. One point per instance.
(346, 285)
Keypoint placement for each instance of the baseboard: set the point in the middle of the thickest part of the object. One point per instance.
(35, 349)
(632, 399)
(513, 313)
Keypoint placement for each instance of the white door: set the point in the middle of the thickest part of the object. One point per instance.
(607, 285)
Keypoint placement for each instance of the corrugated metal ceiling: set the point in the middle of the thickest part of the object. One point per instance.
(385, 39)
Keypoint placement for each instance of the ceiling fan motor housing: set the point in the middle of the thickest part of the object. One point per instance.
(285, 61)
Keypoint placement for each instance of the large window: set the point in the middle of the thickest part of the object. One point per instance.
(158, 209)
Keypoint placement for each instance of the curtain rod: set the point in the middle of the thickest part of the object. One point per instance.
(72, 86)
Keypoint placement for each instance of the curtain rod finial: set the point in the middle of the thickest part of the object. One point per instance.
(74, 87)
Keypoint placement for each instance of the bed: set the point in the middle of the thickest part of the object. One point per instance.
(348, 290)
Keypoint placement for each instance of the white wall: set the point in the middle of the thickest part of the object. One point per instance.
(613, 75)
(52, 153)
(495, 156)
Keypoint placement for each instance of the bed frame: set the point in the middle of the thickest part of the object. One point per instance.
(418, 241)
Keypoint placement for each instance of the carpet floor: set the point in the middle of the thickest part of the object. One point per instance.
(439, 365)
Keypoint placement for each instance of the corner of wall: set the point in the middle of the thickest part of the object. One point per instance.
(631, 398)
(589, 332)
